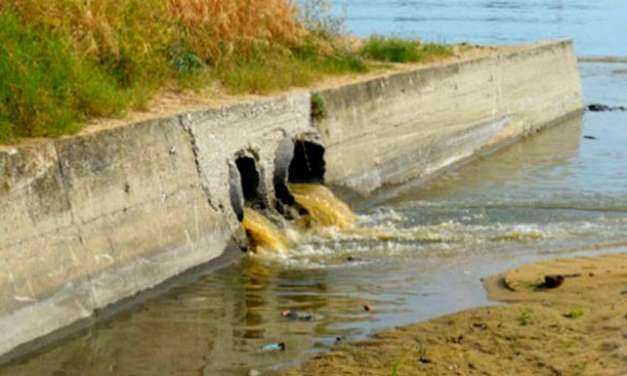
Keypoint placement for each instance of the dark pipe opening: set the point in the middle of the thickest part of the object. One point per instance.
(249, 177)
(307, 165)
(245, 186)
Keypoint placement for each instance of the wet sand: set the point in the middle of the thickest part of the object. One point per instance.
(578, 328)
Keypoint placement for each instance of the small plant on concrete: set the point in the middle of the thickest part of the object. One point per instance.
(318, 107)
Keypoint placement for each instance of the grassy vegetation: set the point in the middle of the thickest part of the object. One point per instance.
(318, 107)
(45, 88)
(271, 70)
(64, 61)
(574, 313)
(525, 317)
(397, 50)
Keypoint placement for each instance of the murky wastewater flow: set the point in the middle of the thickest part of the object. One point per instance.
(556, 194)
(264, 236)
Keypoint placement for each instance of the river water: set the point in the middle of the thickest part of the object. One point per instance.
(598, 27)
(555, 194)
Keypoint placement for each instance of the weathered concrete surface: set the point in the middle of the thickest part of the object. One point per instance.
(261, 130)
(391, 129)
(88, 220)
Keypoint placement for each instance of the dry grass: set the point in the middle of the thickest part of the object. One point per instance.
(116, 54)
(212, 29)
(215, 28)
(135, 48)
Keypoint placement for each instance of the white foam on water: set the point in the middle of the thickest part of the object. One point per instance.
(384, 235)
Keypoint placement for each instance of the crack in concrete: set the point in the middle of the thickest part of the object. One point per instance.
(64, 183)
(199, 170)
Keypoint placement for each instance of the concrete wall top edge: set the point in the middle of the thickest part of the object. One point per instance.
(249, 105)
(246, 107)
(524, 50)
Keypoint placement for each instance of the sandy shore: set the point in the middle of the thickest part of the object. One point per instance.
(578, 328)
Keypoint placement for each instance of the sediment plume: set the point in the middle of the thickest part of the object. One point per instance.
(263, 234)
(324, 208)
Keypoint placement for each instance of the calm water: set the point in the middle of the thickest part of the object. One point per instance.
(598, 27)
(556, 194)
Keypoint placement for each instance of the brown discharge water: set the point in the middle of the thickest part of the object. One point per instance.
(324, 208)
(263, 234)
(327, 210)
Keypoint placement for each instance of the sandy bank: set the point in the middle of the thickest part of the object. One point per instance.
(579, 328)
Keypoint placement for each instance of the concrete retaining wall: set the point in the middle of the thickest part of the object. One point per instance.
(391, 129)
(88, 220)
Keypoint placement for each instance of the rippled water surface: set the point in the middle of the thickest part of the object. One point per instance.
(598, 27)
(556, 194)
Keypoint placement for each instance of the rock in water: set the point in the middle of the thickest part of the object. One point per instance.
(552, 281)
(293, 315)
(598, 107)
(595, 107)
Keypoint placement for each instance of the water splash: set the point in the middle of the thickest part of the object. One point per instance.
(324, 208)
(325, 213)
(263, 234)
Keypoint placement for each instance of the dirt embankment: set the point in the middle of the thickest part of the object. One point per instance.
(578, 328)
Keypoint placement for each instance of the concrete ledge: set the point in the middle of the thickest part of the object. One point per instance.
(389, 130)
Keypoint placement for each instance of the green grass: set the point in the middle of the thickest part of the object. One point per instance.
(50, 85)
(46, 90)
(272, 70)
(318, 107)
(574, 314)
(524, 318)
(65, 61)
(395, 368)
(395, 50)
